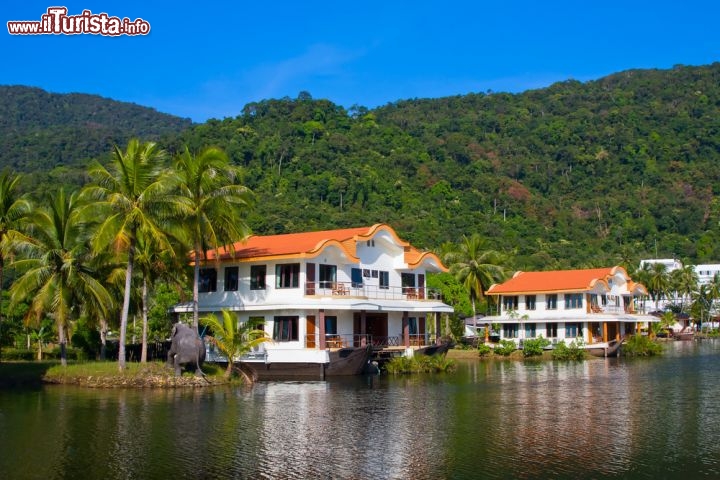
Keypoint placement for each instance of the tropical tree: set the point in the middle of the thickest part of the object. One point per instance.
(132, 197)
(213, 206)
(476, 267)
(233, 338)
(55, 265)
(152, 263)
(13, 209)
(683, 282)
(657, 280)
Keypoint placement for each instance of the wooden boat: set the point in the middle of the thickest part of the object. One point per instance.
(438, 349)
(686, 333)
(604, 349)
(342, 361)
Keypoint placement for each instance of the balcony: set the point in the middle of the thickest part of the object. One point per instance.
(359, 290)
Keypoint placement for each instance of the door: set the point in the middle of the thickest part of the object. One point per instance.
(310, 332)
(310, 279)
(376, 326)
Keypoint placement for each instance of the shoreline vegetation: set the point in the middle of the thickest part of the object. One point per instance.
(156, 374)
(106, 375)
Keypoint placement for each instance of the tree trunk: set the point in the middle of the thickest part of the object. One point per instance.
(103, 338)
(143, 351)
(196, 296)
(126, 304)
(63, 345)
(2, 269)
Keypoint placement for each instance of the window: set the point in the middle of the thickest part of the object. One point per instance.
(330, 325)
(551, 302)
(328, 276)
(287, 275)
(407, 281)
(208, 280)
(231, 279)
(529, 302)
(530, 330)
(573, 300)
(257, 277)
(551, 330)
(572, 330)
(356, 278)
(510, 302)
(285, 329)
(510, 330)
(384, 279)
(412, 325)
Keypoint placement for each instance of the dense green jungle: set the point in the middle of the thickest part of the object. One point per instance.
(574, 175)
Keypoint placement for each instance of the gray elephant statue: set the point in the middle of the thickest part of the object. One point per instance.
(187, 349)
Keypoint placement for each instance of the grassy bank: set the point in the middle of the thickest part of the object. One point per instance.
(105, 375)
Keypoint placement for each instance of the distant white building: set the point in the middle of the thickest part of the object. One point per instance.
(706, 272)
(670, 263)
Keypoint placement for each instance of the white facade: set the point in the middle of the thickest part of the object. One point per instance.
(589, 309)
(366, 289)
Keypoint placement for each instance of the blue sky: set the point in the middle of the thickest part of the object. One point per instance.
(208, 59)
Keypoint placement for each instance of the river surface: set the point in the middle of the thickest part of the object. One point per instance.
(602, 418)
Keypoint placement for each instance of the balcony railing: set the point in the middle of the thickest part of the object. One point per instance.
(333, 340)
(616, 310)
(351, 289)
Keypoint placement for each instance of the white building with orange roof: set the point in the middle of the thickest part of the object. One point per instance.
(319, 292)
(594, 305)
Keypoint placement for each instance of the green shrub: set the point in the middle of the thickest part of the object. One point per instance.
(18, 354)
(505, 347)
(641, 346)
(533, 347)
(562, 351)
(484, 350)
(420, 364)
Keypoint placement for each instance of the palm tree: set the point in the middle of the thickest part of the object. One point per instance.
(152, 263)
(133, 198)
(232, 338)
(477, 268)
(683, 282)
(13, 209)
(658, 281)
(213, 206)
(54, 262)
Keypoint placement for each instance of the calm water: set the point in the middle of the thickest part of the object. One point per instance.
(614, 418)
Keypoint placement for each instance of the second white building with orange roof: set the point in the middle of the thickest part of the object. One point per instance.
(593, 305)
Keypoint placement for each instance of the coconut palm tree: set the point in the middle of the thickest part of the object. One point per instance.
(657, 281)
(55, 266)
(233, 338)
(476, 267)
(213, 205)
(132, 197)
(683, 282)
(13, 209)
(152, 263)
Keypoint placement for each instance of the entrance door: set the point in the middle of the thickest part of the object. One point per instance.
(376, 326)
(310, 332)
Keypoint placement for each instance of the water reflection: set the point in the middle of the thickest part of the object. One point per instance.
(603, 418)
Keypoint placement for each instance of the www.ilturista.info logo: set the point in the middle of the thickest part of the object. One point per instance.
(57, 22)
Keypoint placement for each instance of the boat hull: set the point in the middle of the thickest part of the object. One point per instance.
(342, 362)
(605, 349)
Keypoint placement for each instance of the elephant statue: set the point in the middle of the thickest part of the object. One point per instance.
(187, 348)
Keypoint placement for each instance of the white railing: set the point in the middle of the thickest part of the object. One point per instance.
(350, 289)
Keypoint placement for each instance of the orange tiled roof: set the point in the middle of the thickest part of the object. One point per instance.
(555, 281)
(311, 244)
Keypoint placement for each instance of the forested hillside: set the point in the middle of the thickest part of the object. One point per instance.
(573, 175)
(58, 134)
